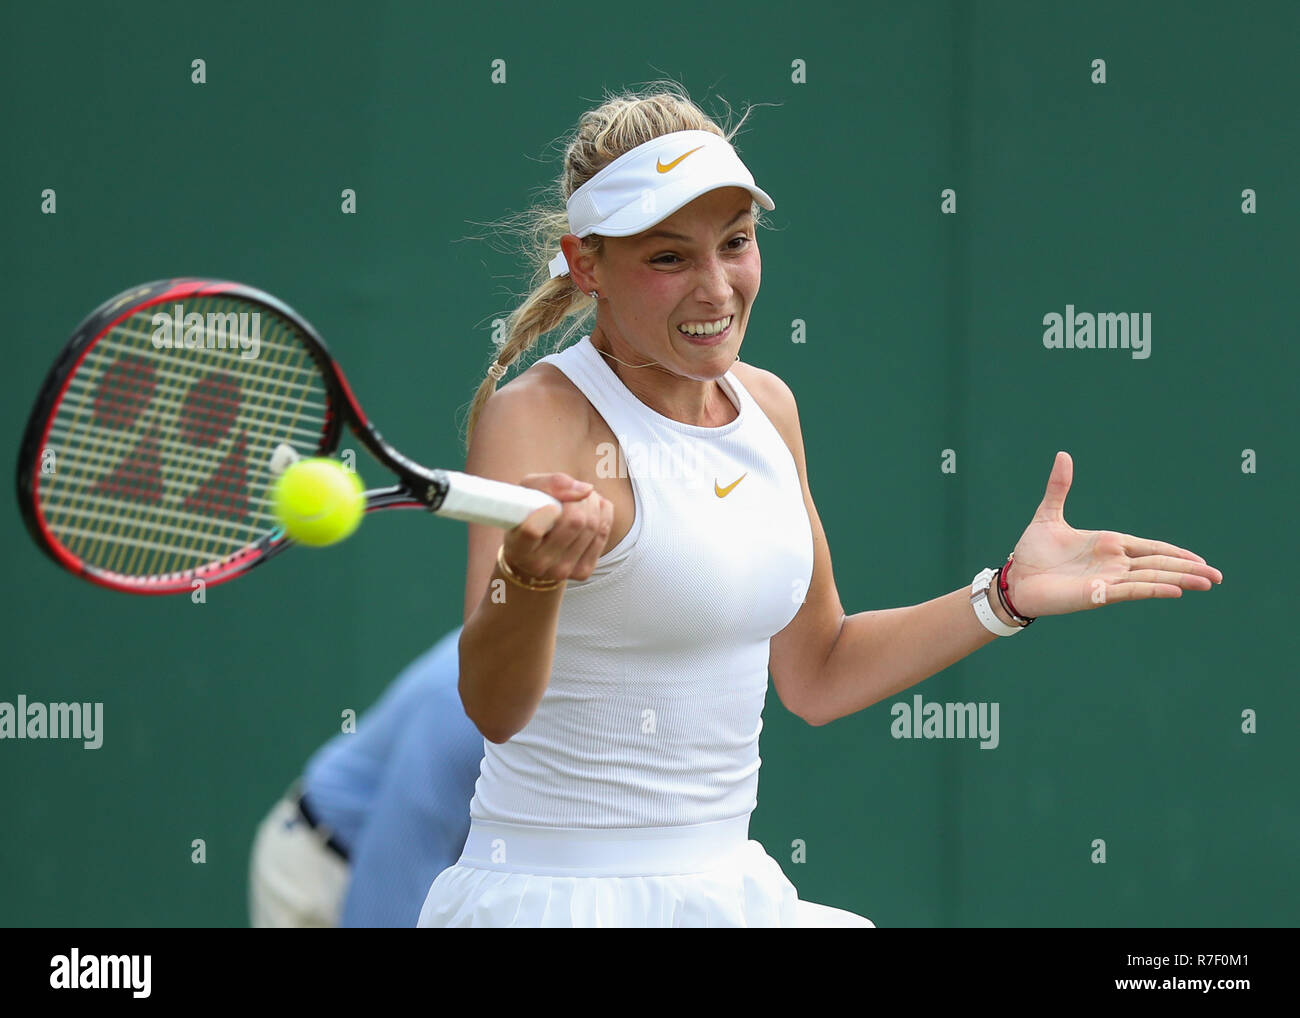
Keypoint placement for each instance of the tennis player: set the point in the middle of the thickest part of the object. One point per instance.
(615, 651)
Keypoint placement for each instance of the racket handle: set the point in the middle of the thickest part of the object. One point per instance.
(494, 503)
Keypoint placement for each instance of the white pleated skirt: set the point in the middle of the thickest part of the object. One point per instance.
(696, 876)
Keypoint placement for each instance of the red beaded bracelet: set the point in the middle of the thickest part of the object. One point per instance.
(1006, 597)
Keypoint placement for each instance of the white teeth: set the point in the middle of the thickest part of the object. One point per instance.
(705, 328)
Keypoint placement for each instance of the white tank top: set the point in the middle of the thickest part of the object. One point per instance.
(652, 714)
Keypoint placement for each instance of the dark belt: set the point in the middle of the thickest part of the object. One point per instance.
(306, 812)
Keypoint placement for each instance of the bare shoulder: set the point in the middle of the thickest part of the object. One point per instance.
(775, 398)
(534, 423)
(548, 390)
(769, 391)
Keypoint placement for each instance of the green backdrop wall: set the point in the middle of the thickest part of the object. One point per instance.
(924, 334)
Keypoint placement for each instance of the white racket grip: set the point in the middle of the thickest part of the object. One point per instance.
(494, 503)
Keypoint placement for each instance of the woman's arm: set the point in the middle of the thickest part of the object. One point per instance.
(826, 665)
(508, 644)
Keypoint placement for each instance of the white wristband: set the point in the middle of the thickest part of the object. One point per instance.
(979, 599)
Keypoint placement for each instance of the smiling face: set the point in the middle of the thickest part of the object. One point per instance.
(698, 266)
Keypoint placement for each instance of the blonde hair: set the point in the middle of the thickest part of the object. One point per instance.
(619, 124)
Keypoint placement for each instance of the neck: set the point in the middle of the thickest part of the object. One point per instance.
(698, 402)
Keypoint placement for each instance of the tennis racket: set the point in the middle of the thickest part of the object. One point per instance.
(147, 460)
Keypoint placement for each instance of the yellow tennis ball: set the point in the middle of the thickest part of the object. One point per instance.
(319, 501)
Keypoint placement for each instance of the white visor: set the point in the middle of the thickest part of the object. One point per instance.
(648, 184)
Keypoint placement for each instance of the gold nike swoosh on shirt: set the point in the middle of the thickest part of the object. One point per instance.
(665, 167)
(724, 492)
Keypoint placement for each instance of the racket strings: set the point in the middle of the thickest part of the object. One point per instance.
(161, 455)
(216, 498)
(182, 445)
(273, 387)
(130, 376)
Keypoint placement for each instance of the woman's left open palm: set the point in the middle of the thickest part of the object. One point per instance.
(1057, 569)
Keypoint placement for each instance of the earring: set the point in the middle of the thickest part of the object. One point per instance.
(595, 295)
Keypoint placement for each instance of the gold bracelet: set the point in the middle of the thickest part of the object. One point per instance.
(522, 581)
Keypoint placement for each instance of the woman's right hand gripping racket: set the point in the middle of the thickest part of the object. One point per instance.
(146, 461)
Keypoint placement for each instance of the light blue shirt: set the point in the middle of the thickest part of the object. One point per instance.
(396, 792)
